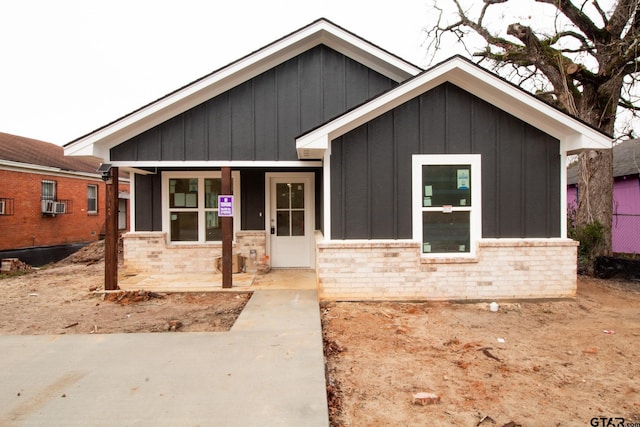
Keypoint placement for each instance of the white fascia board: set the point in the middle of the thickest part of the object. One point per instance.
(46, 170)
(575, 143)
(480, 83)
(524, 106)
(98, 143)
(367, 54)
(87, 150)
(313, 148)
(189, 164)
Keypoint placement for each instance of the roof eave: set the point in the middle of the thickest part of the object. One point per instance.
(573, 134)
(99, 142)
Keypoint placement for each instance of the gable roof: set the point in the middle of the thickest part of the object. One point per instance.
(626, 158)
(572, 133)
(18, 151)
(97, 143)
(626, 161)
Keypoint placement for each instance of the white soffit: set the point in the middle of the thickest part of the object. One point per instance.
(98, 142)
(480, 83)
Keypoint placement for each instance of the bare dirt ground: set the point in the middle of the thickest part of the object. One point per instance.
(538, 363)
(545, 363)
(61, 299)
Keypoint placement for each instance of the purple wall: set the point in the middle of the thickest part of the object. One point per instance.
(626, 214)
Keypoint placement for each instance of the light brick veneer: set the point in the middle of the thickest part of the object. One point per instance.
(251, 240)
(394, 270)
(148, 252)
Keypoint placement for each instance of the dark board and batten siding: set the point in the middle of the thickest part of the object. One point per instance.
(259, 119)
(148, 202)
(371, 168)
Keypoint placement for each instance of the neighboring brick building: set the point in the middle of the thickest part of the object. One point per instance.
(48, 199)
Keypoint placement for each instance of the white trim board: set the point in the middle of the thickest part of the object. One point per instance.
(188, 164)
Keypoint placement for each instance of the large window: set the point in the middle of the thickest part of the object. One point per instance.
(191, 205)
(446, 195)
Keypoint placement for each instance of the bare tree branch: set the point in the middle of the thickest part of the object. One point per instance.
(601, 12)
(576, 16)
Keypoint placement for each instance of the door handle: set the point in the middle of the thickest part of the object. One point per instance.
(273, 230)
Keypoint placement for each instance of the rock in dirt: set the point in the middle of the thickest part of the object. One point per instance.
(426, 398)
(174, 325)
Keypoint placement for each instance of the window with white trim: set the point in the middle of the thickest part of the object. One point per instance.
(446, 199)
(190, 205)
(48, 190)
(92, 199)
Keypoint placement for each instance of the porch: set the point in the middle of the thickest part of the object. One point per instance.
(291, 279)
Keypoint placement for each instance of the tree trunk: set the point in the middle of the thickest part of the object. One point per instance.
(595, 196)
(597, 106)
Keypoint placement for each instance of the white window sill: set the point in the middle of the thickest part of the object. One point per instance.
(470, 259)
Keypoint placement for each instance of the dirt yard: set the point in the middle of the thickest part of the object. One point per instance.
(544, 363)
(62, 299)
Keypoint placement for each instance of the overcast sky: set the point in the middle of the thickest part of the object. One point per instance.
(71, 66)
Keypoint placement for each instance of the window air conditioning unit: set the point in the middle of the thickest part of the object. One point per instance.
(1, 207)
(60, 207)
(48, 206)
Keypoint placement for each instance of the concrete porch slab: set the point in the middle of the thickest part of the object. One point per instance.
(299, 279)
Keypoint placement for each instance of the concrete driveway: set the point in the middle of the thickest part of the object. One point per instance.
(267, 371)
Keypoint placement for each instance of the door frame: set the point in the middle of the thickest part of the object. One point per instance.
(309, 210)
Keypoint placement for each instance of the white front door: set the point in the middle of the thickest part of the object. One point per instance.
(291, 219)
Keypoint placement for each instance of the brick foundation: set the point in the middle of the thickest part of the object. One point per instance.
(394, 270)
(148, 252)
(389, 270)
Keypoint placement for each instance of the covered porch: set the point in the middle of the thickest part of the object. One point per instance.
(278, 279)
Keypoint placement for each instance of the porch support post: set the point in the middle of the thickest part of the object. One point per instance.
(227, 232)
(111, 233)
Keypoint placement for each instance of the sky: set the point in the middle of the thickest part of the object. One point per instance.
(71, 66)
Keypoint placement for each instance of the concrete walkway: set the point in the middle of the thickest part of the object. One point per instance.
(267, 371)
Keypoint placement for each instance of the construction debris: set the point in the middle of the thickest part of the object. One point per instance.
(12, 265)
(426, 398)
(486, 352)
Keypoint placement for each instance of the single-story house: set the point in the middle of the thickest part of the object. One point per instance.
(390, 181)
(625, 228)
(47, 199)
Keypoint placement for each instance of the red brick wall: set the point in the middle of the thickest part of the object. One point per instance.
(29, 227)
